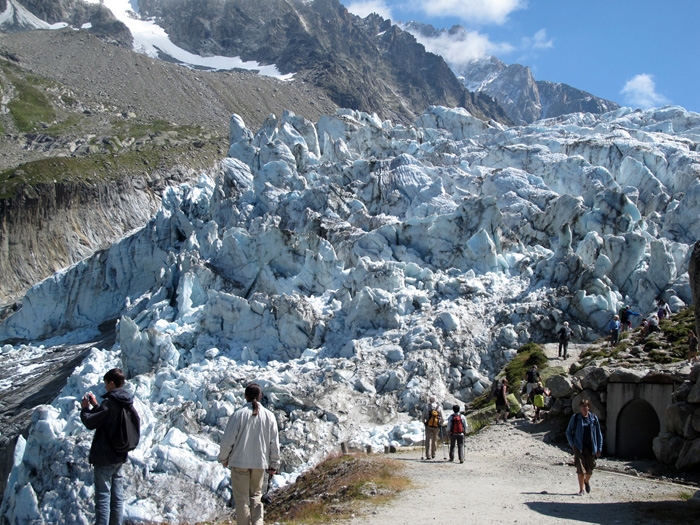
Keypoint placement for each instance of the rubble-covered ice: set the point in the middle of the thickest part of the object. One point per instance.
(351, 267)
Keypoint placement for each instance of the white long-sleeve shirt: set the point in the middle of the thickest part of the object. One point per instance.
(250, 441)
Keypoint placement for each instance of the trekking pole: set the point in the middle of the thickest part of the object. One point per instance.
(266, 499)
(442, 438)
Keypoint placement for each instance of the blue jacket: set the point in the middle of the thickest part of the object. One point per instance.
(574, 432)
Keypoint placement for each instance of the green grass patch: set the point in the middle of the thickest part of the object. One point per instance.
(103, 167)
(30, 107)
(334, 488)
(528, 355)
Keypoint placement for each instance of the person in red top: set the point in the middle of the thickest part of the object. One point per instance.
(456, 428)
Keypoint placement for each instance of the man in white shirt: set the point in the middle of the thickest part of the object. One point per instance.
(249, 447)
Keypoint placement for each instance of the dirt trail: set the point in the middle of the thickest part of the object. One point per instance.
(511, 476)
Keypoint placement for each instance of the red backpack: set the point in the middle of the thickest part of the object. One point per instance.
(457, 425)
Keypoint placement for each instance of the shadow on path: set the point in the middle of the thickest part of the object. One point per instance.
(647, 512)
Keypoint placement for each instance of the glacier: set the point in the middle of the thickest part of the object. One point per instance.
(351, 267)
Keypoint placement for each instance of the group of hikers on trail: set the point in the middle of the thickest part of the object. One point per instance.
(583, 433)
(622, 322)
(456, 427)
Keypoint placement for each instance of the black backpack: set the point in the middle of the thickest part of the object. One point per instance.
(127, 429)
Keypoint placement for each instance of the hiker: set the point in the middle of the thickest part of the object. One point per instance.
(539, 393)
(614, 330)
(456, 428)
(532, 377)
(692, 347)
(653, 324)
(586, 439)
(564, 336)
(502, 406)
(432, 419)
(626, 314)
(249, 448)
(664, 310)
(104, 419)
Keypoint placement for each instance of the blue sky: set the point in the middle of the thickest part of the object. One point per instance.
(638, 53)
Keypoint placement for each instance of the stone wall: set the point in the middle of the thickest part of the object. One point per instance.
(672, 396)
(679, 443)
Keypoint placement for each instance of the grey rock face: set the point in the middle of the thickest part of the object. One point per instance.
(525, 99)
(694, 278)
(365, 64)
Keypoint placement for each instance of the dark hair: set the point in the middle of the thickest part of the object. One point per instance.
(586, 402)
(253, 393)
(115, 376)
(455, 408)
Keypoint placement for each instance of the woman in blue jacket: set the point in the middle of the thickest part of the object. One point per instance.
(585, 437)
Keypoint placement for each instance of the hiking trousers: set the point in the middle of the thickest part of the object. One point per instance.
(457, 439)
(246, 484)
(431, 438)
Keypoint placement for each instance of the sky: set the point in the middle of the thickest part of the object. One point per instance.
(638, 53)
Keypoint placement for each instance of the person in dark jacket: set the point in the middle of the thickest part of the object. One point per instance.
(107, 463)
(586, 439)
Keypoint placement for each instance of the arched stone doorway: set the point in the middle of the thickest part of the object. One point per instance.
(637, 426)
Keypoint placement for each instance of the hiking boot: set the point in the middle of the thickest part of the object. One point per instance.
(461, 461)
(582, 493)
(588, 488)
(432, 457)
(452, 459)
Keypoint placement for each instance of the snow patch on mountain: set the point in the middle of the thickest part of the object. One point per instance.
(351, 267)
(16, 15)
(149, 38)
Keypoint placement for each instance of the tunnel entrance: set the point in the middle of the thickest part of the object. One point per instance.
(637, 426)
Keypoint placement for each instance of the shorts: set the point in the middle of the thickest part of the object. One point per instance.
(502, 408)
(584, 461)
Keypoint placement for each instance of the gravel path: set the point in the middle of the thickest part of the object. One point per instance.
(511, 476)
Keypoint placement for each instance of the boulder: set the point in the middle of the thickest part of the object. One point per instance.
(694, 279)
(596, 379)
(623, 375)
(560, 386)
(676, 416)
(689, 456)
(695, 420)
(597, 407)
(694, 394)
(667, 447)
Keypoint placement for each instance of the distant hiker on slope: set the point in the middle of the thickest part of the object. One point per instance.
(532, 377)
(692, 347)
(539, 394)
(664, 310)
(432, 419)
(614, 330)
(586, 439)
(502, 406)
(456, 427)
(564, 334)
(626, 314)
(108, 453)
(249, 447)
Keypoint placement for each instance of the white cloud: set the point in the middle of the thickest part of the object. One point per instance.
(459, 49)
(472, 11)
(641, 92)
(362, 8)
(538, 41)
